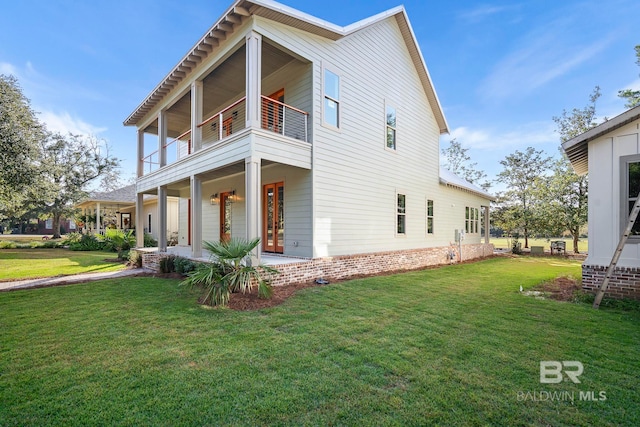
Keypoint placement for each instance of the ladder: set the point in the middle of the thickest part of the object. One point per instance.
(616, 255)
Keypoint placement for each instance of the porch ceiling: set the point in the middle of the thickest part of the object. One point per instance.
(223, 85)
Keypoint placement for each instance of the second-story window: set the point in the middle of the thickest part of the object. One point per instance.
(391, 127)
(331, 99)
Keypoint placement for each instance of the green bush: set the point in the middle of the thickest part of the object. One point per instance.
(167, 264)
(149, 241)
(135, 259)
(6, 244)
(88, 242)
(119, 241)
(183, 265)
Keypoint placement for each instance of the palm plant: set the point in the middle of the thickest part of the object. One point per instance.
(119, 241)
(230, 270)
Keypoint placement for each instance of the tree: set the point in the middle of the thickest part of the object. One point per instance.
(520, 172)
(458, 161)
(67, 165)
(564, 201)
(20, 136)
(632, 96)
(565, 193)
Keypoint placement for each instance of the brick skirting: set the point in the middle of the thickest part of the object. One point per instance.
(342, 267)
(625, 282)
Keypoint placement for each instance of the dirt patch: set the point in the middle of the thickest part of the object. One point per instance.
(250, 300)
(560, 289)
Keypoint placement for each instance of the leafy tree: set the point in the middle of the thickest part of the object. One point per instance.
(520, 173)
(564, 199)
(20, 135)
(632, 96)
(458, 161)
(564, 193)
(68, 164)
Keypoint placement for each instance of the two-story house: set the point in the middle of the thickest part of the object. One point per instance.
(322, 140)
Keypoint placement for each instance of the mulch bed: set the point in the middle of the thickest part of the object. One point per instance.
(561, 288)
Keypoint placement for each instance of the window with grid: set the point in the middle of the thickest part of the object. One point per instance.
(472, 219)
(429, 216)
(331, 98)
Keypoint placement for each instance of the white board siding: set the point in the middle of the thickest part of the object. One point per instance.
(604, 195)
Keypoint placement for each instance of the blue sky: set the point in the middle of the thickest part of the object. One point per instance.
(501, 69)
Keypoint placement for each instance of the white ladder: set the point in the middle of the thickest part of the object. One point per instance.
(616, 255)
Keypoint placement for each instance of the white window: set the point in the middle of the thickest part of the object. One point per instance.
(390, 114)
(331, 102)
(630, 186)
(472, 218)
(401, 217)
(429, 216)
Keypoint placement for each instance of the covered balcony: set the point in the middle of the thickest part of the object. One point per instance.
(228, 103)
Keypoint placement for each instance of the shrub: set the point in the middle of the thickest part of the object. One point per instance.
(135, 259)
(183, 265)
(167, 264)
(7, 244)
(516, 247)
(149, 241)
(230, 271)
(119, 241)
(88, 242)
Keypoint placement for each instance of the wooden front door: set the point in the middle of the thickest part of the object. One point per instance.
(273, 218)
(225, 216)
(272, 111)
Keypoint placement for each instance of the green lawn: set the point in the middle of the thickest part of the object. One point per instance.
(451, 346)
(16, 264)
(504, 242)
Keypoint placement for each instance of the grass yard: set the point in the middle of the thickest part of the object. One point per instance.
(17, 264)
(458, 345)
(504, 242)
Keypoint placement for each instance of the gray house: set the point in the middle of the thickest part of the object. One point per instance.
(321, 140)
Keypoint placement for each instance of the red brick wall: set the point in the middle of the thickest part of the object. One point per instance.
(342, 267)
(625, 282)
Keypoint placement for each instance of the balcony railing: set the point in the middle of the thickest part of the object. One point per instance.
(225, 123)
(284, 119)
(275, 116)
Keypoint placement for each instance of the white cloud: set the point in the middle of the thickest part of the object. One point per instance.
(8, 69)
(481, 12)
(530, 134)
(544, 54)
(64, 123)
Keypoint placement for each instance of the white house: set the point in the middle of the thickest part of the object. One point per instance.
(321, 140)
(118, 209)
(610, 153)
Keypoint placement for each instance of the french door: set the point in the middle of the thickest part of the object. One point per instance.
(272, 112)
(273, 218)
(225, 216)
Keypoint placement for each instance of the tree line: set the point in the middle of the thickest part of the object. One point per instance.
(43, 174)
(543, 196)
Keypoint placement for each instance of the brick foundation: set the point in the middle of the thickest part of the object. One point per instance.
(342, 267)
(625, 282)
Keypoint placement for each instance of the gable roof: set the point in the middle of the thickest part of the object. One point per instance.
(450, 179)
(577, 148)
(241, 9)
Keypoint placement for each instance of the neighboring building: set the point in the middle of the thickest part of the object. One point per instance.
(610, 153)
(118, 210)
(321, 140)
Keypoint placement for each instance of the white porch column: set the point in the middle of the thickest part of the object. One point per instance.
(487, 224)
(196, 116)
(162, 138)
(162, 219)
(254, 74)
(140, 170)
(196, 217)
(253, 183)
(140, 220)
(98, 219)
